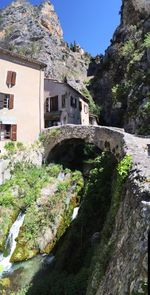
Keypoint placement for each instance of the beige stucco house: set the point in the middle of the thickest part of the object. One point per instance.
(63, 104)
(21, 98)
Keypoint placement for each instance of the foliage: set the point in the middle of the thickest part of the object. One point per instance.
(144, 287)
(53, 132)
(27, 181)
(147, 106)
(144, 115)
(22, 291)
(94, 108)
(63, 186)
(128, 48)
(124, 167)
(7, 217)
(106, 247)
(147, 40)
(44, 212)
(12, 147)
(53, 169)
(137, 55)
(7, 199)
(73, 46)
(69, 275)
(120, 91)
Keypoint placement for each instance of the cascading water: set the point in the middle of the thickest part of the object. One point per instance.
(10, 244)
(75, 213)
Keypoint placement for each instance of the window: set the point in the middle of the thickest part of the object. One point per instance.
(11, 78)
(63, 101)
(80, 106)
(86, 109)
(54, 103)
(73, 102)
(47, 105)
(6, 101)
(8, 131)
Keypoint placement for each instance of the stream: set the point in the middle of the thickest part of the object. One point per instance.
(10, 244)
(21, 274)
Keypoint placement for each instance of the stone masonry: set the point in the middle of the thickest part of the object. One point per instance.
(127, 268)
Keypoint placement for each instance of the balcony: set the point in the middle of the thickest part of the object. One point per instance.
(54, 115)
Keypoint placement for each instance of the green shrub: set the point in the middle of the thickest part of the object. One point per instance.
(63, 186)
(53, 169)
(20, 146)
(147, 106)
(147, 40)
(93, 107)
(46, 137)
(124, 166)
(10, 146)
(7, 199)
(128, 48)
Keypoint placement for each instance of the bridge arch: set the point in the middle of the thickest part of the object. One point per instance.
(105, 138)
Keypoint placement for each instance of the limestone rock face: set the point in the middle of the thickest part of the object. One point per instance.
(121, 84)
(133, 9)
(35, 31)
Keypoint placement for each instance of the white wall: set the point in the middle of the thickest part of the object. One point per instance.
(28, 91)
(74, 116)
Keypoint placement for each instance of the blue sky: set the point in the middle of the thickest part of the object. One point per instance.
(90, 23)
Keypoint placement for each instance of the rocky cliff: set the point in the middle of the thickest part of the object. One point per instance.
(35, 31)
(121, 83)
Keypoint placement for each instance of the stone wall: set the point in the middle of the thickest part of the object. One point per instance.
(128, 266)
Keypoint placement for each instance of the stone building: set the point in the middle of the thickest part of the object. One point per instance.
(21, 98)
(64, 104)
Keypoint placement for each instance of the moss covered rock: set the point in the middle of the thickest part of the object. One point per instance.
(48, 217)
(7, 217)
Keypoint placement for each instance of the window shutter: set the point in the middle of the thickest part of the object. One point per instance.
(11, 102)
(9, 78)
(14, 132)
(80, 106)
(1, 101)
(54, 103)
(13, 79)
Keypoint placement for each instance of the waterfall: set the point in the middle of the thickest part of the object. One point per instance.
(10, 244)
(75, 213)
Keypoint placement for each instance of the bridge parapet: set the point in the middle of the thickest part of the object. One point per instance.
(110, 139)
(105, 138)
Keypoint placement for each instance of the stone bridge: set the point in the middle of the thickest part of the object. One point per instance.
(110, 139)
(132, 221)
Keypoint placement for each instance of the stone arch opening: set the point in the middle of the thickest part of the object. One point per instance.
(73, 153)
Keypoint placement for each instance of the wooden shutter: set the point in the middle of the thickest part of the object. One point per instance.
(54, 103)
(11, 102)
(14, 132)
(9, 78)
(80, 106)
(13, 79)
